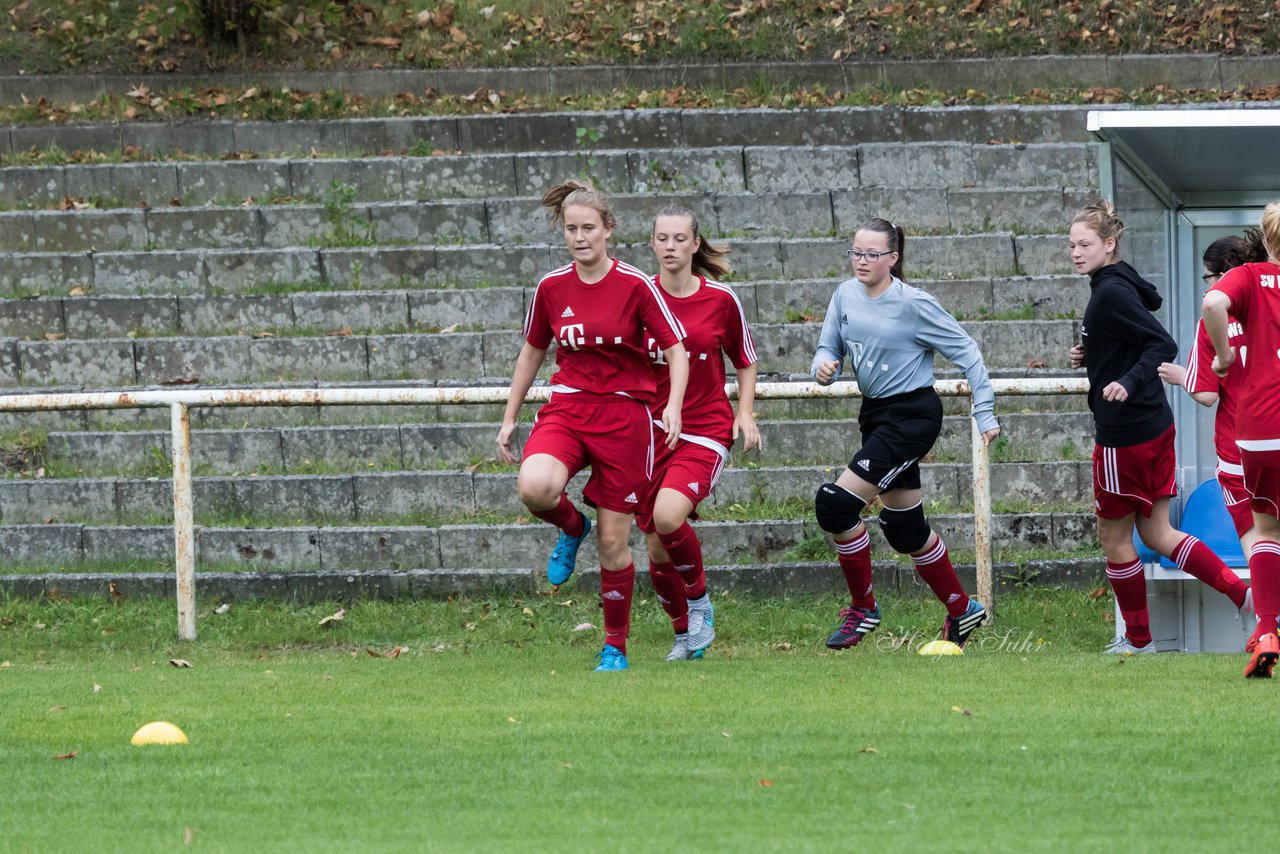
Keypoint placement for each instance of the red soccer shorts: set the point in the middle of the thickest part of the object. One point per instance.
(691, 469)
(615, 439)
(1262, 480)
(1131, 480)
(1236, 497)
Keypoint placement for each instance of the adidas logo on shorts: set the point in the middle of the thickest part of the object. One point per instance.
(865, 465)
(568, 312)
(693, 487)
(631, 499)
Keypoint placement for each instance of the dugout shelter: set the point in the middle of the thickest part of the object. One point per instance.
(1180, 179)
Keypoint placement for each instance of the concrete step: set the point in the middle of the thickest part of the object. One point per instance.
(436, 495)
(670, 168)
(428, 310)
(311, 586)
(772, 213)
(294, 450)
(235, 271)
(613, 129)
(115, 362)
(314, 548)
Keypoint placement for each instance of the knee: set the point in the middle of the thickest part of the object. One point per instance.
(613, 546)
(667, 519)
(906, 531)
(837, 509)
(538, 493)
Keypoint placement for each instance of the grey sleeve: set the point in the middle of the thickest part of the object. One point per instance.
(941, 332)
(830, 342)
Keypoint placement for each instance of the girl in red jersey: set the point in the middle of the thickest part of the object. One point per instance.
(685, 474)
(1134, 469)
(1207, 388)
(1251, 294)
(597, 310)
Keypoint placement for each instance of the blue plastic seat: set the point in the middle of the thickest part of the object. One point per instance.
(1205, 517)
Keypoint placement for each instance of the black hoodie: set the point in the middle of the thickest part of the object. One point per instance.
(1124, 343)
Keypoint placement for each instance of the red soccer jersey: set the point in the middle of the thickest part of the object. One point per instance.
(600, 330)
(1200, 377)
(715, 327)
(1254, 290)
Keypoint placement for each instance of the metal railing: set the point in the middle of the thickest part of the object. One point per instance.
(180, 402)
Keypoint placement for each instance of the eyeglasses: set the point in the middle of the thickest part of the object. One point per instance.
(1208, 277)
(865, 256)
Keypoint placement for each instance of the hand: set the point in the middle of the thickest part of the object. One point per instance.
(671, 423)
(1115, 393)
(506, 433)
(745, 424)
(1076, 355)
(1221, 365)
(989, 436)
(827, 371)
(1171, 373)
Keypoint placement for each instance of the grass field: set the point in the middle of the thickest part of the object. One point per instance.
(490, 732)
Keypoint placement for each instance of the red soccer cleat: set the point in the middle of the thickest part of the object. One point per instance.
(1263, 650)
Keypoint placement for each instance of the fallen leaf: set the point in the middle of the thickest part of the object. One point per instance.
(334, 618)
(396, 651)
(373, 653)
(869, 750)
(784, 647)
(344, 332)
(180, 662)
(512, 721)
(583, 627)
(727, 734)
(965, 712)
(96, 687)
(439, 648)
(4, 664)
(251, 92)
(453, 327)
(78, 290)
(187, 835)
(57, 708)
(71, 755)
(223, 608)
(117, 595)
(528, 612)
(1097, 593)
(1037, 363)
(54, 336)
(766, 782)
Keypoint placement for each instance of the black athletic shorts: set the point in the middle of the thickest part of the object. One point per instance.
(896, 432)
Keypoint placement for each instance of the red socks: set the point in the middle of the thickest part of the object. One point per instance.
(1130, 586)
(616, 588)
(1196, 559)
(934, 566)
(855, 562)
(669, 586)
(686, 555)
(1264, 571)
(564, 516)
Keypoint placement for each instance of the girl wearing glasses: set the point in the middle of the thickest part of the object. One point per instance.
(1207, 388)
(1251, 294)
(715, 327)
(889, 332)
(1134, 470)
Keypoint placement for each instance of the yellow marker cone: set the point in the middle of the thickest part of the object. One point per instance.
(159, 732)
(940, 647)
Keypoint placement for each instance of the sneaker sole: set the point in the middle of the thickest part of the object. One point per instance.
(1261, 665)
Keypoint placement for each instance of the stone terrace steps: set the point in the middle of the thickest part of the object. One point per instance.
(516, 220)
(756, 168)
(506, 546)
(1035, 436)
(446, 494)
(458, 356)
(221, 271)
(431, 309)
(526, 132)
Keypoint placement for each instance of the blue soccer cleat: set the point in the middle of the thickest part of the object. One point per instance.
(564, 557)
(611, 658)
(958, 629)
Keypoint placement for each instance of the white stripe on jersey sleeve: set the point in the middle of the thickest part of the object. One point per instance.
(657, 294)
(528, 315)
(748, 345)
(1193, 366)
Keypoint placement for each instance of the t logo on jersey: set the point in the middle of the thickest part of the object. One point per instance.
(655, 352)
(571, 336)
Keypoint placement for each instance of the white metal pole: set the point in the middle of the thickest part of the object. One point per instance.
(184, 539)
(982, 520)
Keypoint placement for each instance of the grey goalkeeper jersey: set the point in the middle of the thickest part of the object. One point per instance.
(890, 341)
